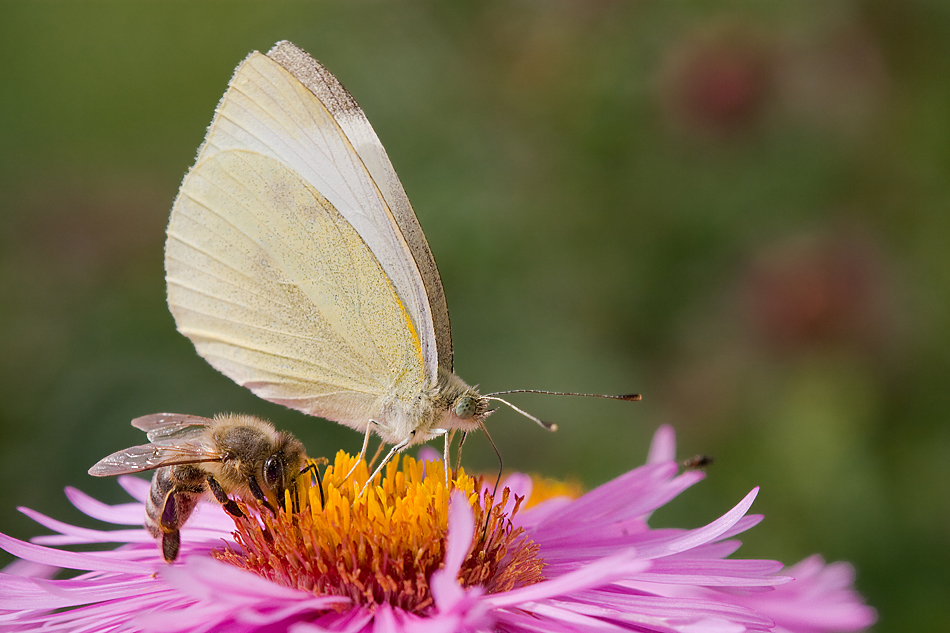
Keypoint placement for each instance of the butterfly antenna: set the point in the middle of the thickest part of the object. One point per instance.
(628, 397)
(550, 426)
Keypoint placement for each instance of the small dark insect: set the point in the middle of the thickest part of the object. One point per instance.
(697, 462)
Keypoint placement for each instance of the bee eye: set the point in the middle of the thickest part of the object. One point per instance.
(274, 472)
(465, 407)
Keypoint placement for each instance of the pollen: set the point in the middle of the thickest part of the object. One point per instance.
(383, 545)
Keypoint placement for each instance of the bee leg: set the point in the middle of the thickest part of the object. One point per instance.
(177, 507)
(168, 522)
(259, 494)
(294, 500)
(229, 504)
(171, 542)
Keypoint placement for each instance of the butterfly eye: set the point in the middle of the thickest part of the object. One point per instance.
(465, 407)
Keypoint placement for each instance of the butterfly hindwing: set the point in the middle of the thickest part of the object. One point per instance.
(268, 111)
(278, 291)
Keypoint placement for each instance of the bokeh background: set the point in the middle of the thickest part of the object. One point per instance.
(737, 209)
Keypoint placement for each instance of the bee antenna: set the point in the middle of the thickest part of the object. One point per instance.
(545, 425)
(628, 397)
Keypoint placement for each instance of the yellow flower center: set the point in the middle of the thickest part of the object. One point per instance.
(382, 545)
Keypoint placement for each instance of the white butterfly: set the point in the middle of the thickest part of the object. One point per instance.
(296, 265)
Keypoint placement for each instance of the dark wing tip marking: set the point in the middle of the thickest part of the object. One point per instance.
(315, 77)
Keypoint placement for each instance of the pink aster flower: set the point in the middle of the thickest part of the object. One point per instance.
(413, 556)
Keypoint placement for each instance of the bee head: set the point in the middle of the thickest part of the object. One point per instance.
(283, 465)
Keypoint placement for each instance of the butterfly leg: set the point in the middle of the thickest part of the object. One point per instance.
(362, 455)
(446, 455)
(458, 453)
(395, 449)
(379, 451)
(229, 504)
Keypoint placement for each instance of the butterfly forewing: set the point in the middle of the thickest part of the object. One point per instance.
(354, 124)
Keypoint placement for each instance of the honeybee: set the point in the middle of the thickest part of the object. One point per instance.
(230, 454)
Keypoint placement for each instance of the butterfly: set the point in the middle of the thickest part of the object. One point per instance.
(296, 266)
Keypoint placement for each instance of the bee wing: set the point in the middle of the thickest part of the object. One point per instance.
(171, 426)
(149, 456)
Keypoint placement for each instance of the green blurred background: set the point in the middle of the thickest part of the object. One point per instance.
(738, 209)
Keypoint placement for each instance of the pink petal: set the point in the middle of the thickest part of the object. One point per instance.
(713, 626)
(136, 487)
(821, 598)
(461, 530)
(443, 583)
(37, 593)
(655, 609)
(747, 522)
(716, 573)
(694, 538)
(663, 446)
(628, 497)
(122, 514)
(93, 618)
(719, 549)
(72, 534)
(29, 569)
(315, 604)
(70, 560)
(525, 621)
(573, 619)
(384, 621)
(595, 574)
(520, 486)
(207, 579)
(429, 454)
(210, 516)
(539, 514)
(350, 621)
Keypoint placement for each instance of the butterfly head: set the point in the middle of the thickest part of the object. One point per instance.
(464, 408)
(469, 410)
